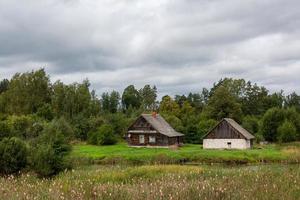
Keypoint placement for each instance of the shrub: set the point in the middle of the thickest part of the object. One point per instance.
(119, 123)
(81, 126)
(92, 137)
(61, 126)
(45, 112)
(106, 135)
(49, 155)
(13, 155)
(36, 129)
(4, 129)
(259, 138)
(103, 136)
(287, 132)
(20, 125)
(48, 161)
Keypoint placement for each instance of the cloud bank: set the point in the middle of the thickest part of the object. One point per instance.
(178, 45)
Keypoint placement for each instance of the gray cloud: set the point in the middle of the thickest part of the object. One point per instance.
(178, 45)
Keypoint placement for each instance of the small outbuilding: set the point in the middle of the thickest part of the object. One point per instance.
(228, 134)
(152, 130)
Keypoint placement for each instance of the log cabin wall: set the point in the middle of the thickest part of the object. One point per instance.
(224, 131)
(160, 140)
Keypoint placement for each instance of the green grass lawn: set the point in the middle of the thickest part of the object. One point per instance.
(188, 153)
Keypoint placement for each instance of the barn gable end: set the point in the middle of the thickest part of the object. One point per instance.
(228, 134)
(224, 130)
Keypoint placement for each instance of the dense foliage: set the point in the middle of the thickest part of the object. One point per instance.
(33, 108)
(13, 155)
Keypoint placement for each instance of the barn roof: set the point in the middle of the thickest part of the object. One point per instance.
(160, 124)
(236, 126)
(239, 128)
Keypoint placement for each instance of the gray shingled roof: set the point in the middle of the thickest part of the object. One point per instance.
(160, 124)
(239, 128)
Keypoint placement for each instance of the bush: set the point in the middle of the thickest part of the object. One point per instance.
(119, 123)
(20, 125)
(13, 155)
(81, 126)
(103, 136)
(50, 150)
(4, 129)
(106, 135)
(45, 112)
(92, 137)
(287, 132)
(61, 126)
(48, 160)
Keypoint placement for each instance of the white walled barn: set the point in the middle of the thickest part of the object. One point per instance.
(228, 134)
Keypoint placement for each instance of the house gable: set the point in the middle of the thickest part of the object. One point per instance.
(141, 124)
(224, 130)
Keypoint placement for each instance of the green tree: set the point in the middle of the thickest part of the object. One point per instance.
(180, 99)
(287, 132)
(169, 106)
(293, 100)
(131, 98)
(27, 92)
(148, 96)
(74, 99)
(270, 122)
(4, 84)
(204, 126)
(174, 121)
(223, 104)
(251, 124)
(196, 101)
(110, 102)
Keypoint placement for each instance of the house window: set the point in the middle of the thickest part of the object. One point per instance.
(229, 144)
(152, 139)
(142, 139)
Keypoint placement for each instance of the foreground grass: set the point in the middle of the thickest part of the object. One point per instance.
(159, 182)
(121, 153)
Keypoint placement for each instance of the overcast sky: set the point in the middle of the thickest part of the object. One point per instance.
(179, 46)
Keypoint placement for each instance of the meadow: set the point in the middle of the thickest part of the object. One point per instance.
(189, 153)
(271, 181)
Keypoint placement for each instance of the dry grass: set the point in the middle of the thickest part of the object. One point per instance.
(159, 182)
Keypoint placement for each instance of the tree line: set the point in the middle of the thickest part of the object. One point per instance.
(40, 119)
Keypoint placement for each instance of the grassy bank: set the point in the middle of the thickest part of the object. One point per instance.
(121, 153)
(159, 182)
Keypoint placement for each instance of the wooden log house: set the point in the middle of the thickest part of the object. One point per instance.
(152, 130)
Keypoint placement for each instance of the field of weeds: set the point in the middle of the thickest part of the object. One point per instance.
(159, 182)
